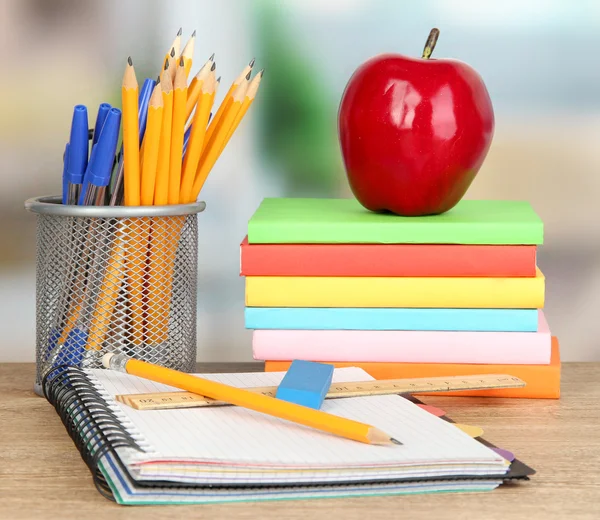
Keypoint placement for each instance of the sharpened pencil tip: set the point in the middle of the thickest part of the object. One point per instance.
(172, 52)
(180, 31)
(251, 64)
(261, 73)
(395, 441)
(248, 75)
(181, 62)
(166, 64)
(214, 66)
(219, 79)
(212, 57)
(194, 34)
(130, 61)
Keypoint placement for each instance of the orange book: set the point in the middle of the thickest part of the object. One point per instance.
(543, 381)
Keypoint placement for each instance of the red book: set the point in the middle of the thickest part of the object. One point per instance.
(387, 260)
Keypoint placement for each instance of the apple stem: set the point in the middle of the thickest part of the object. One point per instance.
(430, 43)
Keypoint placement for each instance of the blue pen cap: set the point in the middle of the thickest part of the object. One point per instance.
(103, 153)
(78, 146)
(103, 111)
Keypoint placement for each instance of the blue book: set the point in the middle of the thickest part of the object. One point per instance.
(475, 320)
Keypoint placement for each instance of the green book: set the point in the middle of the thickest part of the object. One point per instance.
(345, 221)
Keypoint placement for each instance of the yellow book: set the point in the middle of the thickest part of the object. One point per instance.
(423, 292)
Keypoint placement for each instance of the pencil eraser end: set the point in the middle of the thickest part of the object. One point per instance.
(106, 359)
(306, 383)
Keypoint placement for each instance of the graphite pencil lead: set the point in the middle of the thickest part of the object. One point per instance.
(172, 52)
(248, 75)
(219, 79)
(262, 73)
(251, 64)
(212, 57)
(214, 66)
(166, 64)
(130, 61)
(181, 63)
(180, 31)
(395, 441)
(194, 34)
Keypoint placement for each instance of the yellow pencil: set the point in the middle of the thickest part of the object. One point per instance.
(137, 245)
(248, 100)
(161, 188)
(188, 53)
(177, 134)
(169, 66)
(197, 138)
(196, 85)
(131, 136)
(242, 78)
(151, 148)
(295, 413)
(173, 52)
(157, 308)
(213, 147)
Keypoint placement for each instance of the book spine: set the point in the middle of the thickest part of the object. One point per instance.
(93, 426)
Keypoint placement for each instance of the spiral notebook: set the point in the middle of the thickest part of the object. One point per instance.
(227, 454)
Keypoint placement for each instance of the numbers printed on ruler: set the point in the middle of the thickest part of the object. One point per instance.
(166, 400)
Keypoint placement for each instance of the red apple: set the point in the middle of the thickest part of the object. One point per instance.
(414, 132)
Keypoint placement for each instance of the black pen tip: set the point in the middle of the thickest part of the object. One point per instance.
(251, 64)
(90, 133)
(130, 61)
(179, 31)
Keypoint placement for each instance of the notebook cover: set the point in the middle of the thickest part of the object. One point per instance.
(339, 221)
(412, 346)
(451, 292)
(386, 260)
(543, 381)
(339, 318)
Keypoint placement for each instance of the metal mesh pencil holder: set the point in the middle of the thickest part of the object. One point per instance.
(115, 279)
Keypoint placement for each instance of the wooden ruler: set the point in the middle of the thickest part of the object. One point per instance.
(168, 400)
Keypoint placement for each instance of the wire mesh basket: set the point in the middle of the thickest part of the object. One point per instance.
(115, 279)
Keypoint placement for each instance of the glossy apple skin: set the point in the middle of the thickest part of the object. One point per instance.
(414, 133)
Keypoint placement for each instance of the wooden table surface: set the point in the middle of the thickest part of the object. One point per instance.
(42, 475)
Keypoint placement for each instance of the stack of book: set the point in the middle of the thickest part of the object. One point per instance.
(445, 295)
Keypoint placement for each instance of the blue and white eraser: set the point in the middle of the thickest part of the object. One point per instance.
(306, 383)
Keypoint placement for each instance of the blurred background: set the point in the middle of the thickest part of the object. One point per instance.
(538, 59)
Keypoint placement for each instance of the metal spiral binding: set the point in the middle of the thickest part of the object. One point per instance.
(88, 418)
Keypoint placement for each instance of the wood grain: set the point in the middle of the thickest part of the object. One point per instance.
(43, 476)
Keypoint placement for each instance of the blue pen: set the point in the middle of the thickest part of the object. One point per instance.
(103, 110)
(101, 163)
(78, 153)
(116, 197)
(98, 172)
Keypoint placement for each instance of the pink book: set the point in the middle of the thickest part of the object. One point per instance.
(406, 346)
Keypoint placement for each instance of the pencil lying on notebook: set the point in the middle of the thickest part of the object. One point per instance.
(292, 412)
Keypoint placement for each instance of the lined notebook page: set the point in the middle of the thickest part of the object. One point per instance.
(239, 436)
